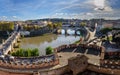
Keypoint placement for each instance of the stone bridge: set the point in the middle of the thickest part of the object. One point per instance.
(9, 44)
(81, 30)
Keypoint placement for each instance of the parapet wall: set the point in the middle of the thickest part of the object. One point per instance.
(98, 48)
(103, 70)
(13, 73)
(58, 49)
(29, 63)
(112, 64)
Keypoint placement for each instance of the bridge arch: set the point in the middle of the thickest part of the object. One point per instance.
(81, 32)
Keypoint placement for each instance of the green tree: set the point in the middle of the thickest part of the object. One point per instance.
(49, 50)
(29, 53)
(106, 30)
(13, 54)
(50, 26)
(35, 52)
(21, 52)
(26, 52)
(83, 24)
(6, 26)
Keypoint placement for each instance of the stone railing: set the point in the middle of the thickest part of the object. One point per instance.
(6, 46)
(104, 70)
(112, 55)
(113, 64)
(28, 66)
(100, 49)
(29, 63)
(58, 49)
(96, 50)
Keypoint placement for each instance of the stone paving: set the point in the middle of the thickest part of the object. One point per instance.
(64, 56)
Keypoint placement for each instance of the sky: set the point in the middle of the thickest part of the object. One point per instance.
(38, 9)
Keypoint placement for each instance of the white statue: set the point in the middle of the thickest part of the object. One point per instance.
(90, 34)
(90, 38)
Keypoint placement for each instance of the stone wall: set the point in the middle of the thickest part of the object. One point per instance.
(97, 48)
(110, 64)
(20, 67)
(58, 71)
(11, 73)
(103, 70)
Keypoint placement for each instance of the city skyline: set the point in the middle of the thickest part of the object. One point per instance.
(38, 9)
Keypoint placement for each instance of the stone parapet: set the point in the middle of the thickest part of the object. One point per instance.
(103, 70)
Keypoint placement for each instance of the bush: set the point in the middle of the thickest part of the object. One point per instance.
(26, 52)
(49, 50)
(35, 52)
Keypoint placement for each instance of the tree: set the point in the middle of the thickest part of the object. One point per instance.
(29, 52)
(83, 24)
(35, 52)
(13, 54)
(50, 26)
(26, 52)
(49, 50)
(105, 30)
(6, 26)
(21, 52)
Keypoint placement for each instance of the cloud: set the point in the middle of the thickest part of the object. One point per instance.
(3, 18)
(84, 9)
(99, 5)
(14, 16)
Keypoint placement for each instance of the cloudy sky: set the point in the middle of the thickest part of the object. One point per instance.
(36, 9)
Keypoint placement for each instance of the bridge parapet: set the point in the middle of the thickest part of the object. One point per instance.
(8, 44)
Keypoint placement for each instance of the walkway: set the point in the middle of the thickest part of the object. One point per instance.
(6, 46)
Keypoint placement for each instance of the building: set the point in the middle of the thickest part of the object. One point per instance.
(107, 24)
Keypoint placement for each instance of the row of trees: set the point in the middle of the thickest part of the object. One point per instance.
(31, 27)
(106, 30)
(55, 25)
(83, 24)
(26, 52)
(31, 52)
(6, 26)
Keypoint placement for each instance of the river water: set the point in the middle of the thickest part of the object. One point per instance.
(53, 40)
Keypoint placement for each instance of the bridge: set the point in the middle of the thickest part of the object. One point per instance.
(76, 30)
(9, 44)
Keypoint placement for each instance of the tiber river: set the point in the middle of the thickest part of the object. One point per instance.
(53, 40)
